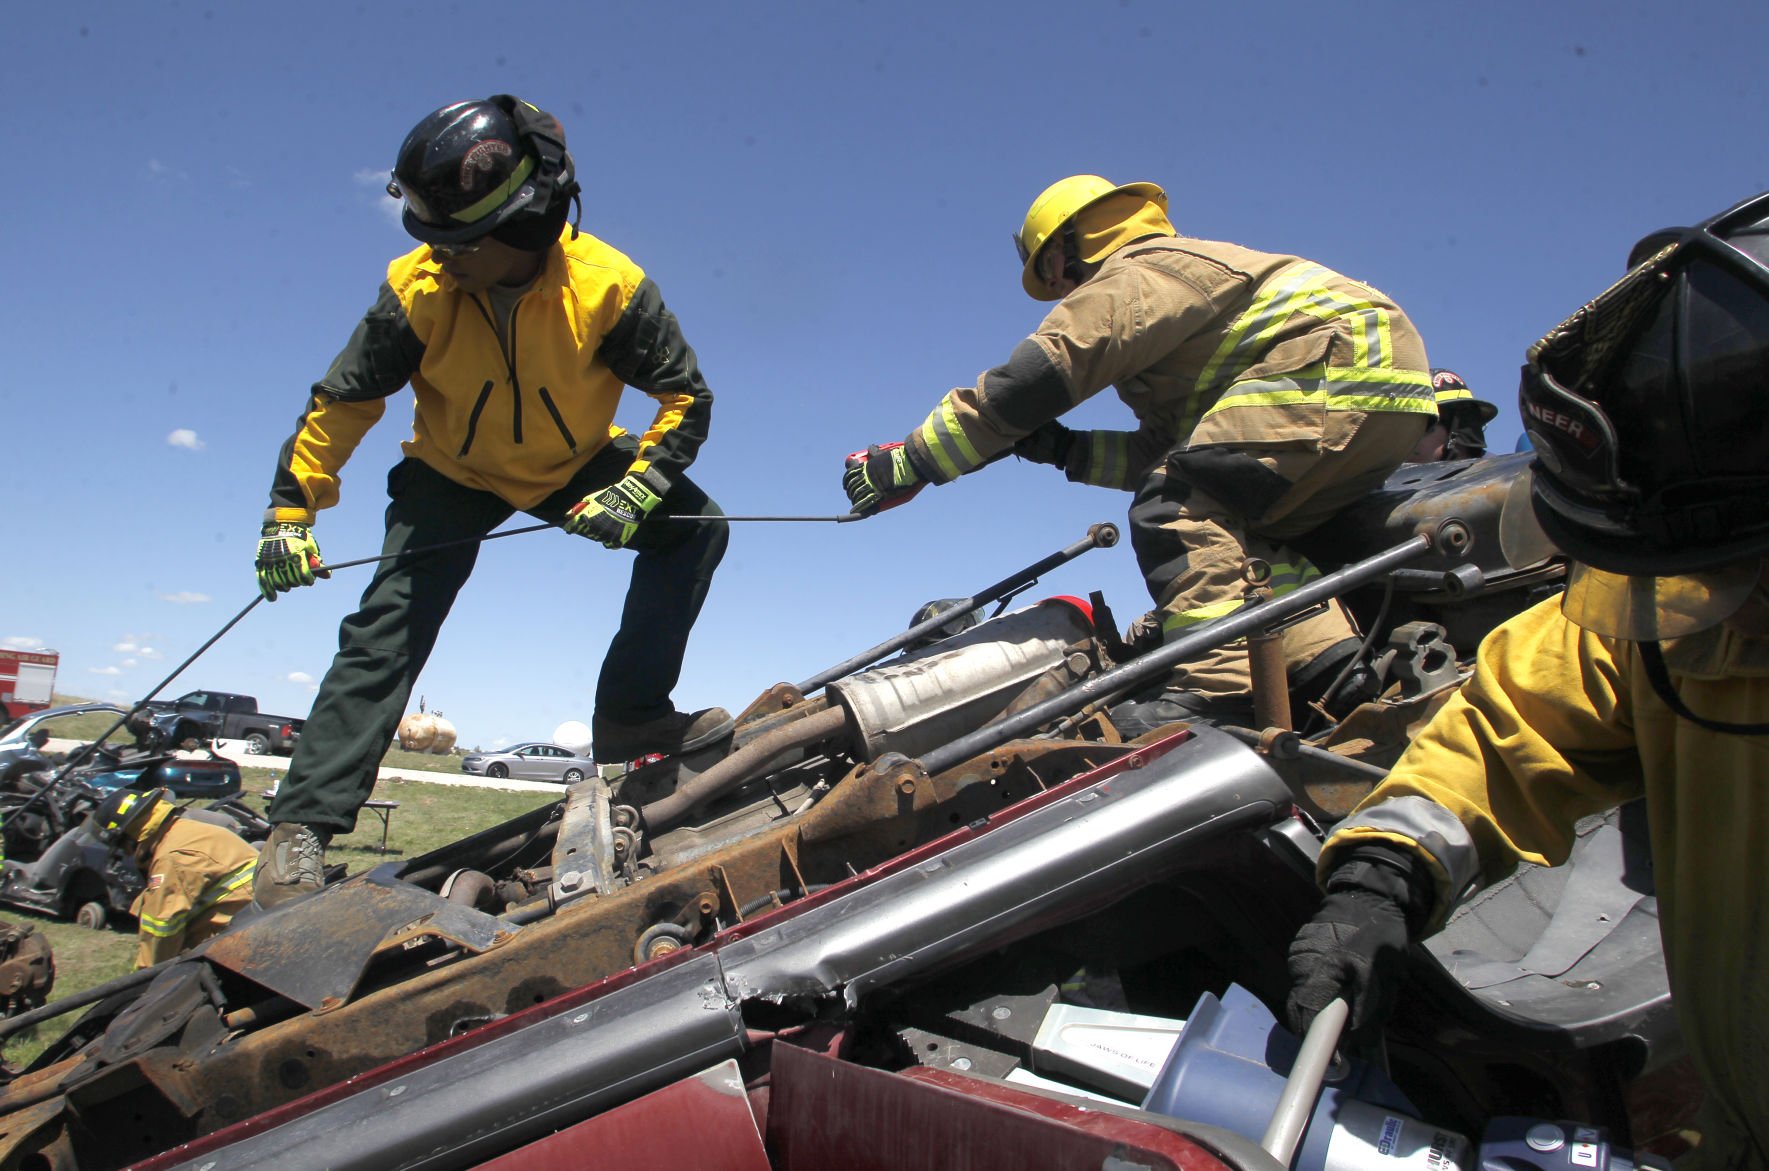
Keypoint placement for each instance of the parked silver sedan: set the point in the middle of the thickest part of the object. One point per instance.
(531, 761)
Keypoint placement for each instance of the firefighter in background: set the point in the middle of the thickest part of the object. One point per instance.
(1270, 392)
(1460, 430)
(1649, 414)
(197, 875)
(518, 335)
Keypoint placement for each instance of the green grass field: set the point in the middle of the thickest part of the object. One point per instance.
(429, 815)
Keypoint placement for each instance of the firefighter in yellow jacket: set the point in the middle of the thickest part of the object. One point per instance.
(1650, 677)
(1269, 392)
(517, 334)
(197, 875)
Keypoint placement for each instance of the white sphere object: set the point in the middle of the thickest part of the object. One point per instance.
(574, 736)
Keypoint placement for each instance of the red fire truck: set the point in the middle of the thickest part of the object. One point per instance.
(27, 679)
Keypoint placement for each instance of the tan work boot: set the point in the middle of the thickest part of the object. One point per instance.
(670, 735)
(291, 864)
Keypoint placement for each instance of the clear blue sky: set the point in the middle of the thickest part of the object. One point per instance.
(824, 192)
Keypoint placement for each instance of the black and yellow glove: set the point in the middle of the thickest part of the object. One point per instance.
(613, 514)
(880, 477)
(288, 556)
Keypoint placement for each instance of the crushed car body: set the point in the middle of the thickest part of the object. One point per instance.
(875, 893)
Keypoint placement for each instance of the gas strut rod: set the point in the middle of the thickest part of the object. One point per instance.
(1099, 536)
(843, 519)
(1247, 620)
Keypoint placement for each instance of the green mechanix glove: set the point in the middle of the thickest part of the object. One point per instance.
(880, 477)
(614, 514)
(288, 556)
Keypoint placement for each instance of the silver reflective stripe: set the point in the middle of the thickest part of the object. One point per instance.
(946, 442)
(1433, 828)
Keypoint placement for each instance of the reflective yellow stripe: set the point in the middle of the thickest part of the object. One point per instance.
(478, 210)
(1301, 288)
(213, 893)
(1181, 619)
(1260, 318)
(1372, 342)
(1108, 459)
(941, 434)
(1404, 391)
(1285, 578)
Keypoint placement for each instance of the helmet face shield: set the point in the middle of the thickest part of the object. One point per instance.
(436, 216)
(1642, 608)
(1521, 538)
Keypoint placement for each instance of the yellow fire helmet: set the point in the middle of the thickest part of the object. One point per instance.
(1058, 206)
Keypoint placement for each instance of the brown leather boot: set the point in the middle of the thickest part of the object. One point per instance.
(291, 865)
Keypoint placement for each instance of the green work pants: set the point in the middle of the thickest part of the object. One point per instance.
(383, 646)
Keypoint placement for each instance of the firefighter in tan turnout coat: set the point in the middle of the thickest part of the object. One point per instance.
(1269, 393)
(197, 875)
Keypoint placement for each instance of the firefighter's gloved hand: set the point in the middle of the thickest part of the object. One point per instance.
(880, 477)
(1356, 945)
(613, 514)
(288, 557)
(1049, 444)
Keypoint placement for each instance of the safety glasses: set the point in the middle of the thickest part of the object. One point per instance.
(423, 214)
(454, 251)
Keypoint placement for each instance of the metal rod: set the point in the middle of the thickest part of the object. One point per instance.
(668, 811)
(1099, 536)
(1248, 620)
(843, 519)
(1292, 746)
(443, 545)
(97, 992)
(1266, 671)
(1303, 1086)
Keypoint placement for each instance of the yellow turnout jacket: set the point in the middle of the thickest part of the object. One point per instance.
(516, 415)
(1558, 723)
